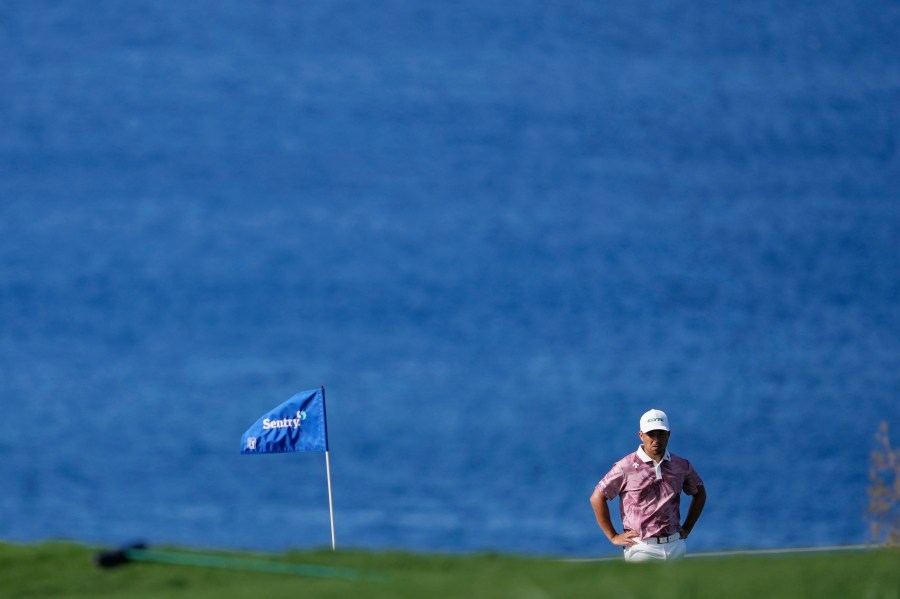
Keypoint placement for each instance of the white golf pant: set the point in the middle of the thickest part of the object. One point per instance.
(644, 552)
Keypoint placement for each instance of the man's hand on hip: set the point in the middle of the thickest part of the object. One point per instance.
(625, 539)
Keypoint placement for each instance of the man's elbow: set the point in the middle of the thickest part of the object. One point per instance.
(700, 495)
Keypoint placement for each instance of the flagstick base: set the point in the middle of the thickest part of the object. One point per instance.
(330, 502)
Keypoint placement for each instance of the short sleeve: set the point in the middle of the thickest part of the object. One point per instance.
(692, 481)
(611, 484)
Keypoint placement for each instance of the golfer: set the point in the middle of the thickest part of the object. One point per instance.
(649, 483)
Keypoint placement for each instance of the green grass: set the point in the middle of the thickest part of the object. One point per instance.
(67, 570)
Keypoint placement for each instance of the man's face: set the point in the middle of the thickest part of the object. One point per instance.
(655, 442)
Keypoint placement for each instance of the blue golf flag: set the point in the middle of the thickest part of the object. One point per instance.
(296, 425)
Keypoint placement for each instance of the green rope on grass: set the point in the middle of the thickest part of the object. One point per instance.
(234, 563)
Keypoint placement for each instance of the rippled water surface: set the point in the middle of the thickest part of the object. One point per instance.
(497, 232)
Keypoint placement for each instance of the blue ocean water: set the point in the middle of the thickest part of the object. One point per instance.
(497, 232)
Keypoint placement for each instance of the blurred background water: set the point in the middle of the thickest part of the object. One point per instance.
(497, 232)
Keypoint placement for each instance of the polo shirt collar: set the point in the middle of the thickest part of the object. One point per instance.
(645, 458)
(642, 455)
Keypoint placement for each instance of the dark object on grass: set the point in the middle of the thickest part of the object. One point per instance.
(117, 557)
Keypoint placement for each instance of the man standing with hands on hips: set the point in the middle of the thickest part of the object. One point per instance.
(649, 483)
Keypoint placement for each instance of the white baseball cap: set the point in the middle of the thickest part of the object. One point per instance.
(654, 420)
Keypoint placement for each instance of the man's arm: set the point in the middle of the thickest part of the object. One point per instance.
(698, 500)
(601, 511)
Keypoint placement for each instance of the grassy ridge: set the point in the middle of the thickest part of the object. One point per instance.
(66, 570)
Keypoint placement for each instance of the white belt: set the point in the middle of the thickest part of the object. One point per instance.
(662, 540)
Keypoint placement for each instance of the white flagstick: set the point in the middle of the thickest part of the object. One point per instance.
(328, 470)
(330, 503)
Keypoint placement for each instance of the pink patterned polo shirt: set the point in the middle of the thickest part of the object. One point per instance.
(650, 493)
